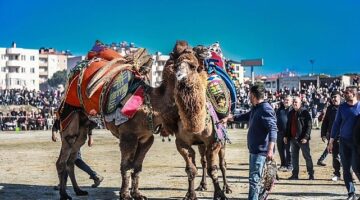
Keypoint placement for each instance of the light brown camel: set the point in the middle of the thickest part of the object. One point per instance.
(195, 125)
(171, 129)
(135, 136)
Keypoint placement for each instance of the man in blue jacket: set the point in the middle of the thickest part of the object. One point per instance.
(343, 126)
(261, 136)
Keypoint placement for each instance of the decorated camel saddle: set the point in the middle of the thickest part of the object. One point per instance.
(220, 92)
(107, 84)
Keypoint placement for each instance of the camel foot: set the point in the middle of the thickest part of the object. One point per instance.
(220, 195)
(138, 196)
(190, 196)
(125, 196)
(227, 189)
(65, 197)
(81, 192)
(202, 187)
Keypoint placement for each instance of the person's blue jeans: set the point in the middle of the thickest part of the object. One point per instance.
(349, 159)
(257, 163)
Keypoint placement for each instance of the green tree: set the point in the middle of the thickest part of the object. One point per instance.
(59, 77)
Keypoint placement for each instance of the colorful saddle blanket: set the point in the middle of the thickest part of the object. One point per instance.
(218, 95)
(105, 81)
(213, 69)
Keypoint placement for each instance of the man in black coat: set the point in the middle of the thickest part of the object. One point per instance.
(326, 131)
(282, 119)
(298, 131)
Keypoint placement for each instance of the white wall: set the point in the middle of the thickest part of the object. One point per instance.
(22, 68)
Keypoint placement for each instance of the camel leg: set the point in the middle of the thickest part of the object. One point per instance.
(141, 151)
(128, 146)
(222, 164)
(203, 184)
(212, 151)
(188, 154)
(62, 171)
(76, 187)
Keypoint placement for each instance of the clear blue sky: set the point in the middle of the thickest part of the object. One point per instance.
(287, 34)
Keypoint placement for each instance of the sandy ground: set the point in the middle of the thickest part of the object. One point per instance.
(27, 170)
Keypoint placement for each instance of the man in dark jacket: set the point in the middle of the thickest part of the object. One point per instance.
(326, 131)
(343, 127)
(284, 149)
(298, 131)
(261, 136)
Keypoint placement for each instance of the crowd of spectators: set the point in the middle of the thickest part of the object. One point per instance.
(43, 104)
(315, 99)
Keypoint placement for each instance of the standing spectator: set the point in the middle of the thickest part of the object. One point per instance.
(284, 149)
(261, 137)
(325, 135)
(14, 113)
(356, 81)
(343, 127)
(298, 131)
(1, 121)
(314, 115)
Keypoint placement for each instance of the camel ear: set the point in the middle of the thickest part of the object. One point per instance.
(180, 46)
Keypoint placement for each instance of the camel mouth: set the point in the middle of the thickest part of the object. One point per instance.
(180, 76)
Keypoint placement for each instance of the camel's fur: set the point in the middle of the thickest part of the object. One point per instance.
(193, 128)
(136, 139)
(134, 136)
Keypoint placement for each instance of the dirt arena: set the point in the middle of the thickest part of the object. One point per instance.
(27, 170)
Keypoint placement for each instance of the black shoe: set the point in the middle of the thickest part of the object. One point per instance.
(293, 177)
(321, 163)
(311, 177)
(351, 197)
(56, 187)
(97, 180)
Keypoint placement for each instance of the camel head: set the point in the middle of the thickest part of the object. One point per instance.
(185, 61)
(190, 87)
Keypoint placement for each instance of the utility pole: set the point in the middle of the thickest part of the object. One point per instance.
(312, 61)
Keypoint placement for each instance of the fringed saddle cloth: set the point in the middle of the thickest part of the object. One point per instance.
(107, 81)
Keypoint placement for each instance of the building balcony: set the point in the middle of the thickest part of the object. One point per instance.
(13, 51)
(43, 73)
(158, 79)
(160, 68)
(14, 63)
(43, 64)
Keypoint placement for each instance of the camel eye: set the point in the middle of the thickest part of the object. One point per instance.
(193, 67)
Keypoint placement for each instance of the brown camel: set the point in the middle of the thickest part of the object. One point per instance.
(135, 136)
(195, 125)
(172, 128)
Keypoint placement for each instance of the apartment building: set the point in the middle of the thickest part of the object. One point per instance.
(19, 68)
(157, 68)
(51, 61)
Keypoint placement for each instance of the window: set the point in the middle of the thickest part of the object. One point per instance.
(3, 69)
(32, 58)
(23, 57)
(32, 70)
(3, 57)
(33, 82)
(13, 57)
(23, 70)
(13, 70)
(18, 81)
